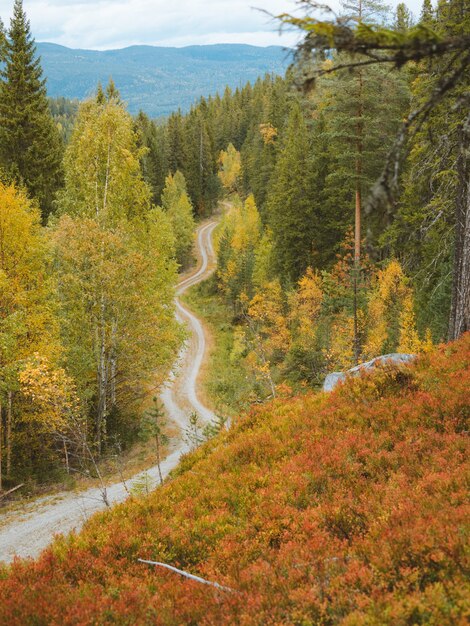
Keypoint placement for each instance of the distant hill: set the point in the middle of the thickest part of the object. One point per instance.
(158, 80)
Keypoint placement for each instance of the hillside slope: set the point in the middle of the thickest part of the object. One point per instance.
(340, 509)
(158, 80)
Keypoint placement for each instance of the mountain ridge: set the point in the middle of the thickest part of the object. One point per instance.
(158, 80)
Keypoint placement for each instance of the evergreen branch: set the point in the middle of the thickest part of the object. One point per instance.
(386, 187)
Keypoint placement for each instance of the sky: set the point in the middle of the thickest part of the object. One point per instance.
(110, 24)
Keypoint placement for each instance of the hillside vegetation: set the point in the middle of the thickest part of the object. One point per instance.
(158, 80)
(349, 508)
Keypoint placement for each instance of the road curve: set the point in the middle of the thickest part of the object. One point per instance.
(28, 532)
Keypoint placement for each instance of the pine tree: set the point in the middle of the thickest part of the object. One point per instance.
(176, 142)
(30, 145)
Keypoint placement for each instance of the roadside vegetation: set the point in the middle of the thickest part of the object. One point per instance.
(224, 378)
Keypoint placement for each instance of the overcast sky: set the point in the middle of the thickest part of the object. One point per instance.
(105, 24)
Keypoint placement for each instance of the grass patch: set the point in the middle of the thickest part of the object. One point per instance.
(224, 379)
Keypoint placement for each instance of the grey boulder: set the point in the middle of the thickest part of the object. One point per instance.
(335, 377)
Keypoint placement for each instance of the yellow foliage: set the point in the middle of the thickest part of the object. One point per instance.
(247, 226)
(230, 168)
(391, 316)
(266, 310)
(49, 393)
(340, 354)
(268, 133)
(409, 338)
(27, 314)
(306, 305)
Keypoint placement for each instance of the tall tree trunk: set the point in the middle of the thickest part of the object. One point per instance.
(1, 445)
(157, 443)
(358, 207)
(113, 360)
(102, 380)
(8, 432)
(460, 309)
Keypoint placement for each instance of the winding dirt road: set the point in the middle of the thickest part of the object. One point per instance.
(28, 532)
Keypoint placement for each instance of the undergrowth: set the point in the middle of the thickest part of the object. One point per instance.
(349, 508)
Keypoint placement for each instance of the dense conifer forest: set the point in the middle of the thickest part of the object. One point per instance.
(341, 193)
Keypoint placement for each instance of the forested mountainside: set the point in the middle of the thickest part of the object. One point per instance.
(155, 79)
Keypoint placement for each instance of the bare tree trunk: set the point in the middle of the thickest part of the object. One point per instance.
(157, 443)
(8, 433)
(66, 453)
(106, 184)
(1, 445)
(113, 364)
(460, 309)
(358, 208)
(102, 381)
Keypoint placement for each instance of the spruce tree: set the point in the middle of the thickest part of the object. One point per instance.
(154, 162)
(201, 164)
(289, 206)
(403, 18)
(427, 13)
(30, 144)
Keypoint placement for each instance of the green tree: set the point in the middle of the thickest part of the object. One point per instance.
(176, 142)
(30, 145)
(201, 164)
(3, 41)
(447, 45)
(403, 18)
(427, 13)
(289, 206)
(178, 207)
(153, 427)
(154, 161)
(103, 178)
(116, 268)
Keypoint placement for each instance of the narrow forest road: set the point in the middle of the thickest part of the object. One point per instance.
(27, 532)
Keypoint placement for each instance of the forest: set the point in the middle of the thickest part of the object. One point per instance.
(341, 193)
(309, 290)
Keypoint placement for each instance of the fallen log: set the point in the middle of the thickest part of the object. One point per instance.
(7, 493)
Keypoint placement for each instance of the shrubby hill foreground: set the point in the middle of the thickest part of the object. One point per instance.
(340, 509)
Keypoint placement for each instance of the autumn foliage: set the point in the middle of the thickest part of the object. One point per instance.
(349, 508)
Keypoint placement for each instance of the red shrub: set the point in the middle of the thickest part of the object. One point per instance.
(350, 508)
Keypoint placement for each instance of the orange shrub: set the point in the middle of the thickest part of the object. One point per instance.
(346, 509)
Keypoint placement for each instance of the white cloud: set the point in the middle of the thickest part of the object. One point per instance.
(104, 24)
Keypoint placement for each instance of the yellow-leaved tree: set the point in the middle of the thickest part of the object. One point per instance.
(236, 247)
(230, 168)
(391, 321)
(28, 325)
(268, 338)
